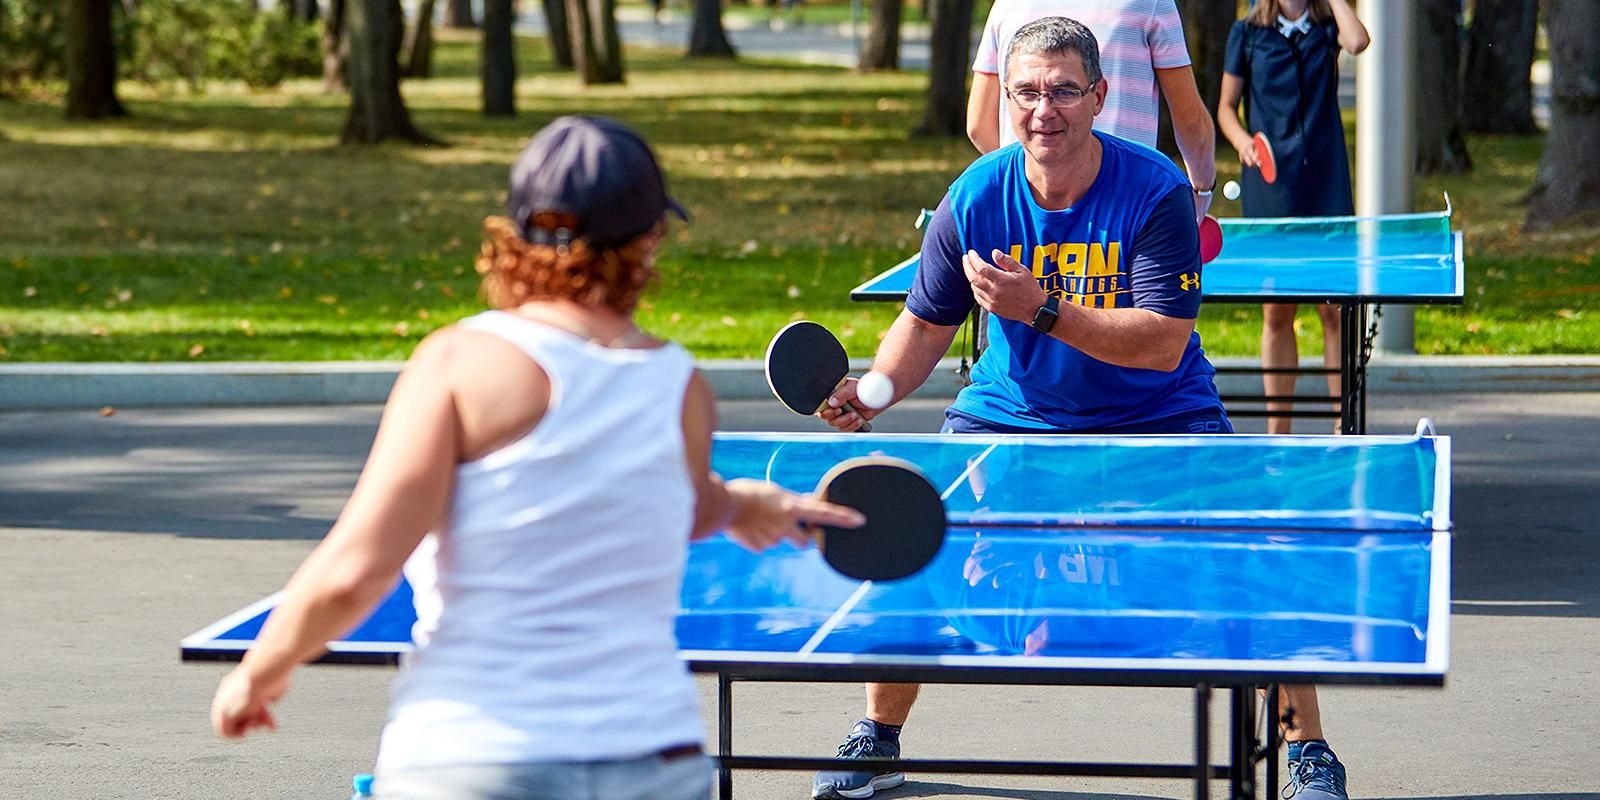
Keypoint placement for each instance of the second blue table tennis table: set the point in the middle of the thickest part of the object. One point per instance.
(1114, 561)
(1354, 262)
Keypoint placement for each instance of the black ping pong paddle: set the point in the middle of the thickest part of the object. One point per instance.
(905, 519)
(805, 364)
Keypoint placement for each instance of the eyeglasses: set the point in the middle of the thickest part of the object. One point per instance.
(1065, 97)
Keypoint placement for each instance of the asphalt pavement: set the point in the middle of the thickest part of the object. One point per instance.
(124, 533)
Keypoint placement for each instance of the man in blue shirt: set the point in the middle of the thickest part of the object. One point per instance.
(1083, 248)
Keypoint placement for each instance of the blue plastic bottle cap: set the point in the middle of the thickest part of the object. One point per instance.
(363, 785)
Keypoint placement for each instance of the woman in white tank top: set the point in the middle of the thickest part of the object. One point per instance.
(538, 474)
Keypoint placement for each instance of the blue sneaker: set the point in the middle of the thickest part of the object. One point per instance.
(864, 742)
(1316, 775)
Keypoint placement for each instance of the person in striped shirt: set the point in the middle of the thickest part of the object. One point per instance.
(1143, 56)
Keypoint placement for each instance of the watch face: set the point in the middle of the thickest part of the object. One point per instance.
(1045, 318)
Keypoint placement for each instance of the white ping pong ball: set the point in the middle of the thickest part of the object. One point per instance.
(1230, 190)
(875, 390)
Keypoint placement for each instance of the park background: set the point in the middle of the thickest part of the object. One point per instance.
(306, 181)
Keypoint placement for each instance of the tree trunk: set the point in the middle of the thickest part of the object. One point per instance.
(1499, 66)
(1206, 24)
(558, 29)
(1441, 149)
(458, 14)
(1569, 171)
(950, 45)
(377, 112)
(91, 58)
(881, 48)
(706, 35)
(300, 9)
(335, 48)
(596, 48)
(499, 60)
(419, 43)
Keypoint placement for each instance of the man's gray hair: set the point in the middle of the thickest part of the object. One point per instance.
(1053, 35)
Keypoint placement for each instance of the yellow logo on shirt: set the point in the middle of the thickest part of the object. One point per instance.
(1088, 274)
(1189, 281)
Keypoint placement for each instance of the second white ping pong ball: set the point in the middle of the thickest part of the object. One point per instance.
(1230, 190)
(875, 390)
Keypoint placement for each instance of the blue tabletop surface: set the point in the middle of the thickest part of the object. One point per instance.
(1148, 553)
(1403, 258)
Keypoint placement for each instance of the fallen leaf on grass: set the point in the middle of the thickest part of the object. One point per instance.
(194, 352)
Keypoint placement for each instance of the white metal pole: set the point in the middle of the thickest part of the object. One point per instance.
(1385, 137)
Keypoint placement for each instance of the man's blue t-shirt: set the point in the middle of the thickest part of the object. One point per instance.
(1131, 242)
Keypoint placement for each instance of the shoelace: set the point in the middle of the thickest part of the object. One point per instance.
(1309, 773)
(860, 746)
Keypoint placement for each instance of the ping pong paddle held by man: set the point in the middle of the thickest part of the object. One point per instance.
(1210, 239)
(805, 365)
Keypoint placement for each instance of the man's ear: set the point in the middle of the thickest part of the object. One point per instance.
(1101, 88)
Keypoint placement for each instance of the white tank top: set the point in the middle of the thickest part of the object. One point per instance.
(545, 609)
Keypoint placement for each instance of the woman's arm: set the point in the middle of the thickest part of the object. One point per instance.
(1353, 36)
(755, 514)
(1228, 119)
(983, 111)
(402, 493)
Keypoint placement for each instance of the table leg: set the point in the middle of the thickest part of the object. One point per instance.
(724, 735)
(1202, 742)
(1242, 785)
(1272, 740)
(1352, 338)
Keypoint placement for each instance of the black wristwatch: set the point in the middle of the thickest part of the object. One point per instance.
(1045, 318)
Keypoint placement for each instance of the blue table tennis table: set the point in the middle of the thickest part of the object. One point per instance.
(1350, 261)
(1127, 561)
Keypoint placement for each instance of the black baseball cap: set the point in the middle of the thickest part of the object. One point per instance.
(588, 177)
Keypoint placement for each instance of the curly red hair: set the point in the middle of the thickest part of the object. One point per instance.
(516, 271)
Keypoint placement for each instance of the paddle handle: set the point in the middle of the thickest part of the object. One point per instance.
(866, 427)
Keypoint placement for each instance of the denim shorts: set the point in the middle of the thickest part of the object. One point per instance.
(657, 777)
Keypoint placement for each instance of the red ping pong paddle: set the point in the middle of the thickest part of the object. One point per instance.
(905, 519)
(1264, 160)
(1210, 239)
(805, 364)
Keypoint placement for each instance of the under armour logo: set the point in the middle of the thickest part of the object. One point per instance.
(1189, 281)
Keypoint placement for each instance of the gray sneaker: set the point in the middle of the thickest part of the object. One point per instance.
(864, 742)
(1316, 775)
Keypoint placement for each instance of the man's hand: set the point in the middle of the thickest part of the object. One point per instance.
(844, 419)
(1004, 288)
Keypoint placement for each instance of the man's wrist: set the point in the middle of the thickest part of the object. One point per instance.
(1044, 320)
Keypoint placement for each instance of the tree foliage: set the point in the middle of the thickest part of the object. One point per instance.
(177, 41)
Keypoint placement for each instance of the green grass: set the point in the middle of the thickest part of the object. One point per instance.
(228, 226)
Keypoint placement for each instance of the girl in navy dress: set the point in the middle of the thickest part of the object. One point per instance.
(1283, 61)
(1284, 55)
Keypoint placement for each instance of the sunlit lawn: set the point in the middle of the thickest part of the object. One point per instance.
(228, 226)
